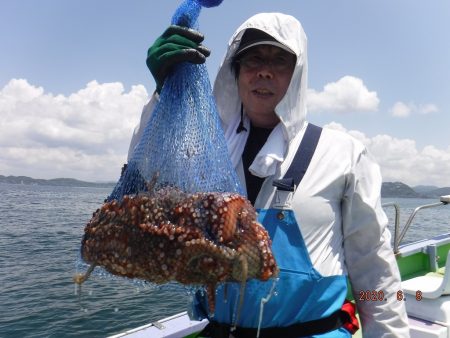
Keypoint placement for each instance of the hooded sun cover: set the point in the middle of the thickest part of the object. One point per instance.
(292, 108)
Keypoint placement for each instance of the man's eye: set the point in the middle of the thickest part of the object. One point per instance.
(280, 61)
(253, 61)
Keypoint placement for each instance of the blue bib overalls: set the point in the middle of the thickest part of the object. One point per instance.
(301, 294)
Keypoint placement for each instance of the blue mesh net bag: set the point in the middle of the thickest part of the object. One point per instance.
(183, 142)
(192, 226)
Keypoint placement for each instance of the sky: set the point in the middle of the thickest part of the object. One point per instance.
(73, 79)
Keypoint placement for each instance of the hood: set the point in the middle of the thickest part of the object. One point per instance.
(291, 109)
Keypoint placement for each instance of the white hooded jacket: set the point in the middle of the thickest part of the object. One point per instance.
(337, 204)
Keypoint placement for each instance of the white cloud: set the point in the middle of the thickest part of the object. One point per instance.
(85, 135)
(400, 160)
(428, 108)
(348, 94)
(401, 109)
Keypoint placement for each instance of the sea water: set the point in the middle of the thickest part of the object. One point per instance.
(40, 235)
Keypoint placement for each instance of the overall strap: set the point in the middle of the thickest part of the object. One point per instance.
(301, 160)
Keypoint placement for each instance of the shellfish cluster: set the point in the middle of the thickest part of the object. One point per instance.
(169, 235)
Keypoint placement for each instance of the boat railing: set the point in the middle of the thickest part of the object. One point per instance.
(398, 236)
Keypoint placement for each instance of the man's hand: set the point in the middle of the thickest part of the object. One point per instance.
(177, 44)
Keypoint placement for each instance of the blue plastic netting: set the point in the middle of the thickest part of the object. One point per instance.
(183, 141)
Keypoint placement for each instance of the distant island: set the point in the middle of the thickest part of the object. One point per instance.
(399, 189)
(61, 182)
(388, 189)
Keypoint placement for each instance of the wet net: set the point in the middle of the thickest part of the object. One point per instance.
(194, 227)
(183, 142)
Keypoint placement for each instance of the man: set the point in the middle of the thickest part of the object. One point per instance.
(327, 223)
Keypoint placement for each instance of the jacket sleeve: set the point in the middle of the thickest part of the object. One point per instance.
(369, 256)
(145, 117)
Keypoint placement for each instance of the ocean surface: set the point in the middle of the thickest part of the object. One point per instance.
(40, 234)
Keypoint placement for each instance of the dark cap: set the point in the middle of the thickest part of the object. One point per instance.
(254, 37)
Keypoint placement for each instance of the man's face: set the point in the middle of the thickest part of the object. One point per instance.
(264, 77)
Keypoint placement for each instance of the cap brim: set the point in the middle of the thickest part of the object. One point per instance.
(242, 49)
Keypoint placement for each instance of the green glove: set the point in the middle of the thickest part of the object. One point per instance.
(176, 45)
